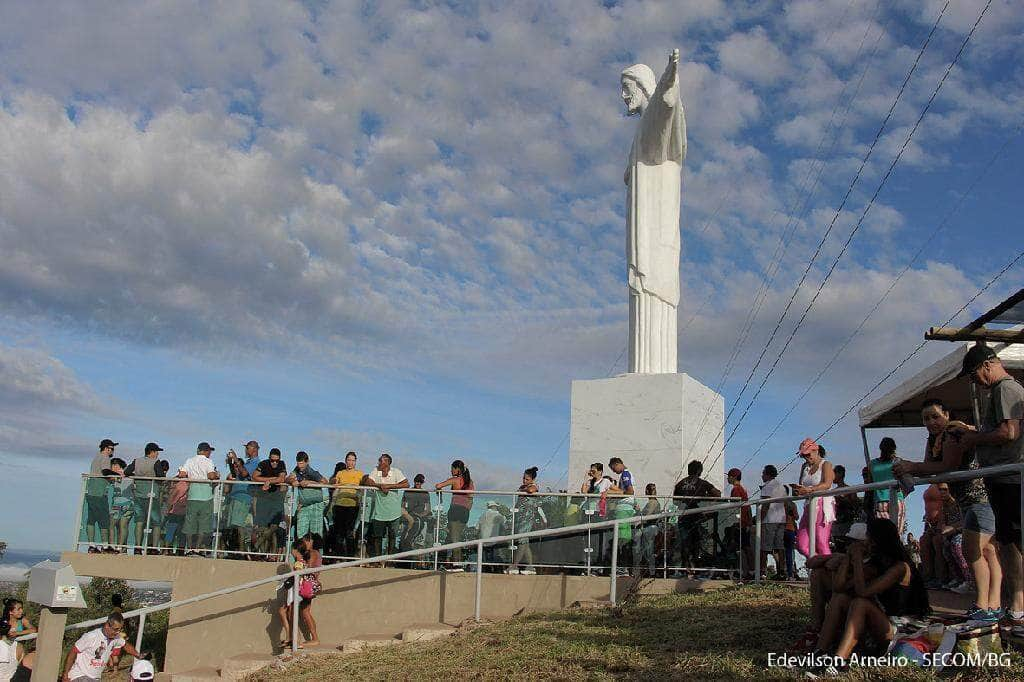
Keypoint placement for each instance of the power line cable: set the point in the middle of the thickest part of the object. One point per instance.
(924, 245)
(860, 221)
(796, 213)
(914, 352)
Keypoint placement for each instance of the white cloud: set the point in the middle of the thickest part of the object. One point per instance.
(753, 56)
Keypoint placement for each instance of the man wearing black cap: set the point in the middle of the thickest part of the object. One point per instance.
(147, 495)
(997, 440)
(199, 513)
(97, 507)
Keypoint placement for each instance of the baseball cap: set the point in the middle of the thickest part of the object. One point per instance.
(858, 531)
(107, 443)
(153, 447)
(735, 472)
(142, 670)
(807, 446)
(205, 446)
(976, 355)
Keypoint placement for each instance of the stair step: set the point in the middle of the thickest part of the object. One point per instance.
(425, 633)
(240, 666)
(368, 642)
(196, 675)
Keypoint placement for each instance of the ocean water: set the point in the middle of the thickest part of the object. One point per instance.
(16, 562)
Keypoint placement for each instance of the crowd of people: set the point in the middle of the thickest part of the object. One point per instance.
(864, 574)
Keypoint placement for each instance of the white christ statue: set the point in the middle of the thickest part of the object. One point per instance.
(653, 181)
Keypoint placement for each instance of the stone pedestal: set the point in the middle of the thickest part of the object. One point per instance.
(650, 421)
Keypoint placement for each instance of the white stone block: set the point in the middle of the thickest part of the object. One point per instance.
(651, 421)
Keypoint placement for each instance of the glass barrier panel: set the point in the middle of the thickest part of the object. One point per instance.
(490, 515)
(551, 554)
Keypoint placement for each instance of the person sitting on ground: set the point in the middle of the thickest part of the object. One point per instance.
(11, 652)
(305, 554)
(88, 657)
(14, 621)
(884, 584)
(944, 451)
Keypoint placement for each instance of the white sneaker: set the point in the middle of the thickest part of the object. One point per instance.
(527, 571)
(511, 571)
(456, 569)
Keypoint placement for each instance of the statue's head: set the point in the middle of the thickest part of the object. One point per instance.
(638, 85)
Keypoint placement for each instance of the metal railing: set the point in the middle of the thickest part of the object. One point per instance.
(614, 525)
(718, 551)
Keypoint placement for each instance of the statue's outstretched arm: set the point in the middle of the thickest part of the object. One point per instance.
(668, 87)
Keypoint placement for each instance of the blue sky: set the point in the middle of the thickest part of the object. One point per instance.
(400, 226)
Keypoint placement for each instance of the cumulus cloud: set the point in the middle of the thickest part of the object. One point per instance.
(430, 189)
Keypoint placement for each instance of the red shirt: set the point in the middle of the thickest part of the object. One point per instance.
(746, 520)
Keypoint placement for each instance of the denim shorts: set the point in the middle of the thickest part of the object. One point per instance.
(980, 519)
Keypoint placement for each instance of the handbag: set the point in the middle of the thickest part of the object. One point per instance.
(309, 586)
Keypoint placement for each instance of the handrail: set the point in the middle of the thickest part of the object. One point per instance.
(444, 491)
(550, 532)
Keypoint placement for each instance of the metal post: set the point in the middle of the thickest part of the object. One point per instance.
(665, 551)
(295, 614)
(864, 440)
(362, 523)
(512, 543)
(1021, 483)
(437, 531)
(615, 563)
(142, 626)
(78, 518)
(479, 576)
(975, 407)
(757, 545)
(218, 502)
(588, 550)
(812, 521)
(739, 525)
(149, 516)
(289, 541)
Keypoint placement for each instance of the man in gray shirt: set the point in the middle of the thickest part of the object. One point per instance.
(997, 440)
(97, 505)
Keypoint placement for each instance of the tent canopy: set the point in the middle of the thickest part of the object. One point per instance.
(902, 405)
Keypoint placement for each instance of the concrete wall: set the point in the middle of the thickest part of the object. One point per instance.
(355, 601)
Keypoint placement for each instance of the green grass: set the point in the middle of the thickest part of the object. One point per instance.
(720, 635)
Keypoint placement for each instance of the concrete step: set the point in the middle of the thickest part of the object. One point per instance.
(427, 632)
(240, 666)
(196, 675)
(368, 642)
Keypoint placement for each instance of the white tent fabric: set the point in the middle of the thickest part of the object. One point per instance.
(902, 405)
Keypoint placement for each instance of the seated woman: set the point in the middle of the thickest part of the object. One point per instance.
(862, 617)
(829, 578)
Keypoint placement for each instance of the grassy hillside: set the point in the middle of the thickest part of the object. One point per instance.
(721, 635)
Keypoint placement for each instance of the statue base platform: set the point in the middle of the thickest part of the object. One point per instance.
(651, 422)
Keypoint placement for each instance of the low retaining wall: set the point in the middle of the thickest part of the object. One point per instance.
(354, 602)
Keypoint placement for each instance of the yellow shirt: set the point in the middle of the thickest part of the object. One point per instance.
(347, 498)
